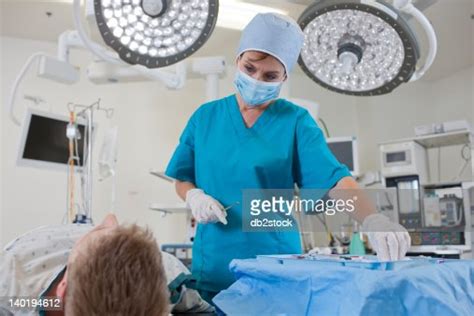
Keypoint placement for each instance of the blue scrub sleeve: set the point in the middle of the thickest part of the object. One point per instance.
(181, 165)
(315, 165)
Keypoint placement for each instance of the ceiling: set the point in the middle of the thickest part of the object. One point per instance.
(452, 20)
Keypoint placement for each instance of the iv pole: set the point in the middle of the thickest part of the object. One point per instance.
(87, 113)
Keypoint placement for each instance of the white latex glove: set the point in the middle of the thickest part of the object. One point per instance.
(205, 208)
(390, 240)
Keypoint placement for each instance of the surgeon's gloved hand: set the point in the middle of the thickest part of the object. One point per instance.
(390, 240)
(205, 208)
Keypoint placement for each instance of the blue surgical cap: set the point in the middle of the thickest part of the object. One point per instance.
(274, 34)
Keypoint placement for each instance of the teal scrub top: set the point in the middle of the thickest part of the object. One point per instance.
(221, 156)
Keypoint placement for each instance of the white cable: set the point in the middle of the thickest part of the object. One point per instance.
(16, 83)
(466, 159)
(461, 214)
(68, 187)
(433, 41)
(84, 173)
(461, 170)
(113, 195)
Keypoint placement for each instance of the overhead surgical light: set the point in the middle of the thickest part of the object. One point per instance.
(155, 33)
(362, 47)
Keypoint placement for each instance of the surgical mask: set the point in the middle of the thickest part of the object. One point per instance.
(255, 92)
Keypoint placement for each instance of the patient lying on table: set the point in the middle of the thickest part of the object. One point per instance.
(108, 269)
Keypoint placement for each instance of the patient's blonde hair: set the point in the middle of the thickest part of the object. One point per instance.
(122, 275)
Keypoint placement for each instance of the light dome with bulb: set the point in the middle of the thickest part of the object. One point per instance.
(357, 47)
(155, 33)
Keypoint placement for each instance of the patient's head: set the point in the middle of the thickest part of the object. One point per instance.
(115, 270)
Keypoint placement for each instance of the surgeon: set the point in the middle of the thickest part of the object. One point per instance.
(254, 140)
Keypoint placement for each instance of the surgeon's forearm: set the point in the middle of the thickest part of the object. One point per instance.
(348, 188)
(182, 187)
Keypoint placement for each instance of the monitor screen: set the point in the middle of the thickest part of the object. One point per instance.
(398, 156)
(45, 142)
(345, 152)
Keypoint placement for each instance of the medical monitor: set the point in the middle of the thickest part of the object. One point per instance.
(346, 152)
(44, 144)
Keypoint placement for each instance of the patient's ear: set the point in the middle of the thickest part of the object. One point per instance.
(110, 221)
(61, 288)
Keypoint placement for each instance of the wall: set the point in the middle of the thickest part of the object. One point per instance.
(453, 100)
(150, 119)
(395, 115)
(1, 158)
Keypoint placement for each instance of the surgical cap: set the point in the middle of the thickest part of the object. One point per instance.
(274, 34)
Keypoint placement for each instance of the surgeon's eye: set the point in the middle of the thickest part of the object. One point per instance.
(249, 69)
(271, 77)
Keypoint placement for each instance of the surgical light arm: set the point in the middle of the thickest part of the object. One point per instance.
(73, 39)
(16, 83)
(171, 80)
(407, 7)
